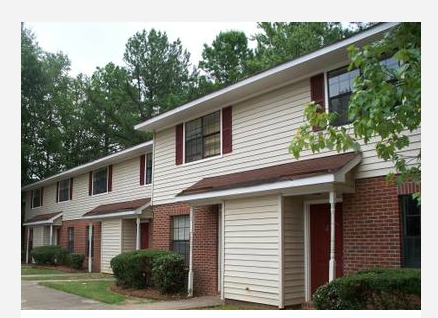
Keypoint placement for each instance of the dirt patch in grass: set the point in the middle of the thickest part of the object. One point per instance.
(148, 293)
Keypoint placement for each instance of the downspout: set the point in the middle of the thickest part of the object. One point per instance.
(332, 262)
(222, 248)
(51, 234)
(90, 232)
(153, 169)
(190, 282)
(27, 245)
(137, 242)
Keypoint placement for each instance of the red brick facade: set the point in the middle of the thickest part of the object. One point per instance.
(80, 239)
(372, 232)
(205, 241)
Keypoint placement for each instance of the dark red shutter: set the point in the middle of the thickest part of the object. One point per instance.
(317, 93)
(142, 164)
(42, 195)
(179, 144)
(227, 133)
(110, 178)
(57, 191)
(71, 188)
(90, 183)
(31, 199)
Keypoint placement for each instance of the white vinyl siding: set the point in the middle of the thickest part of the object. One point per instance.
(111, 242)
(293, 227)
(126, 187)
(251, 256)
(38, 236)
(262, 130)
(129, 235)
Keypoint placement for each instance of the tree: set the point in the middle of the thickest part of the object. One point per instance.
(226, 60)
(159, 71)
(385, 104)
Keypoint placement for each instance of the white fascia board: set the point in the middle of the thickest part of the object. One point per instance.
(278, 186)
(340, 174)
(49, 221)
(111, 159)
(154, 122)
(140, 209)
(110, 215)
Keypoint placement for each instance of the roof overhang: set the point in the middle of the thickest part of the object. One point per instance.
(123, 214)
(111, 159)
(308, 185)
(44, 222)
(284, 74)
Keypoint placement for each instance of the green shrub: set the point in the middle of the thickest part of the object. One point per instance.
(133, 269)
(62, 257)
(76, 260)
(168, 273)
(46, 255)
(380, 288)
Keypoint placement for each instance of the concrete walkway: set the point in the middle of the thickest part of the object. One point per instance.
(196, 302)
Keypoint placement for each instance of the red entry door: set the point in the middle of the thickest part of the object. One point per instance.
(144, 236)
(320, 243)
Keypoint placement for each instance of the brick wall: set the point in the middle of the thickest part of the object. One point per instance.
(80, 240)
(372, 232)
(205, 243)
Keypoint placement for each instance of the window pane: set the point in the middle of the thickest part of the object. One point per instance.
(212, 145)
(411, 233)
(36, 199)
(149, 168)
(194, 149)
(100, 180)
(64, 190)
(211, 123)
(339, 105)
(193, 129)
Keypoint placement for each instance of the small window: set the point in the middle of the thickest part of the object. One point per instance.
(64, 190)
(149, 168)
(203, 137)
(87, 239)
(180, 236)
(37, 198)
(340, 86)
(71, 239)
(411, 231)
(100, 180)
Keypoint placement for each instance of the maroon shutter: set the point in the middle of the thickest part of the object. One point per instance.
(317, 93)
(227, 133)
(57, 191)
(42, 195)
(31, 199)
(71, 188)
(179, 144)
(142, 164)
(90, 183)
(110, 178)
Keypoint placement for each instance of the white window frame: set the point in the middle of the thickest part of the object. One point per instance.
(59, 190)
(107, 181)
(146, 168)
(32, 196)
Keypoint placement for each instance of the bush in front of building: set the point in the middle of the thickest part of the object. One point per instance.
(75, 260)
(379, 288)
(133, 269)
(48, 255)
(168, 274)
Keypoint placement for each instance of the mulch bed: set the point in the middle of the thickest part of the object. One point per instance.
(148, 293)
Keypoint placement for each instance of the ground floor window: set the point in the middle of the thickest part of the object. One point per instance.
(180, 236)
(71, 239)
(411, 231)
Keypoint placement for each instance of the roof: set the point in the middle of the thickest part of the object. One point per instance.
(107, 160)
(302, 67)
(43, 218)
(113, 208)
(285, 172)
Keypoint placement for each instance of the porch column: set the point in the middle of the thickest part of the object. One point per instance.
(90, 246)
(51, 234)
(332, 262)
(137, 242)
(190, 283)
(27, 245)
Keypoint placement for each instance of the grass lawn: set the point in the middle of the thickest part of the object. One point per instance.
(97, 290)
(26, 270)
(70, 277)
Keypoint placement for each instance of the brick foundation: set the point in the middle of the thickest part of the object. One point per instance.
(372, 232)
(205, 241)
(80, 240)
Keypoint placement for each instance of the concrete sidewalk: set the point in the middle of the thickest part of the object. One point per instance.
(192, 303)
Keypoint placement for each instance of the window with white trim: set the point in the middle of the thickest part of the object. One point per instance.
(203, 137)
(100, 180)
(411, 231)
(148, 169)
(71, 239)
(180, 236)
(37, 198)
(64, 190)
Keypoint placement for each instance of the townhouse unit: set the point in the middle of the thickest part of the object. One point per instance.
(219, 186)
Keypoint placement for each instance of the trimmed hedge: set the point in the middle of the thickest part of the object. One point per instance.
(379, 288)
(133, 269)
(49, 255)
(168, 274)
(76, 260)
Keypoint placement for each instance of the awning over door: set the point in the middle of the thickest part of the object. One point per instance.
(121, 209)
(45, 219)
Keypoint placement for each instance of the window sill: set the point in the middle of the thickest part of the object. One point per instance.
(202, 160)
(99, 194)
(65, 201)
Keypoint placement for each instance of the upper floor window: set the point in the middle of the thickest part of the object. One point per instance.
(64, 190)
(340, 86)
(149, 168)
(37, 198)
(203, 137)
(100, 180)
(411, 231)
